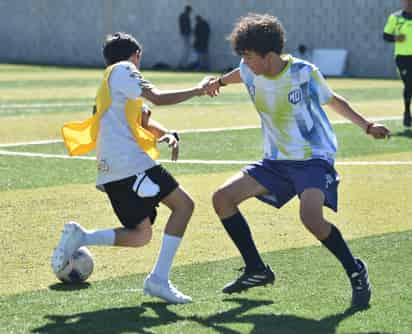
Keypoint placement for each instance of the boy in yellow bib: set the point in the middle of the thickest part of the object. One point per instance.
(125, 140)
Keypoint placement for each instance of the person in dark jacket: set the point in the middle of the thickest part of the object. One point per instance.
(398, 30)
(185, 29)
(201, 43)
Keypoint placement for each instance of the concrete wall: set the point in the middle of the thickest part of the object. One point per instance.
(70, 32)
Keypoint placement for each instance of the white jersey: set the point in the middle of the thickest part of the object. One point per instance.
(118, 154)
(294, 124)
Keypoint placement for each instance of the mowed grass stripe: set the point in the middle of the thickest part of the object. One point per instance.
(246, 144)
(353, 93)
(242, 145)
(372, 201)
(310, 296)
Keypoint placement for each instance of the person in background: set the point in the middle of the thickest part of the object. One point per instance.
(303, 53)
(185, 29)
(201, 43)
(398, 30)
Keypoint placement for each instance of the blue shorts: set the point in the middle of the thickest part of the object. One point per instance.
(284, 179)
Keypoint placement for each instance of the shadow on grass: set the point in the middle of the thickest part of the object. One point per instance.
(69, 286)
(133, 320)
(405, 133)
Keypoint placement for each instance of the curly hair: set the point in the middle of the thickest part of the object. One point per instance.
(119, 46)
(261, 33)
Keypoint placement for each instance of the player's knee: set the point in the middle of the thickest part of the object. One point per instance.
(187, 204)
(310, 220)
(219, 200)
(314, 224)
(184, 208)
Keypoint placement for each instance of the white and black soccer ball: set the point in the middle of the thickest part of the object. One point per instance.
(79, 268)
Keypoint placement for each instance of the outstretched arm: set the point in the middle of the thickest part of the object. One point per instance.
(162, 97)
(214, 85)
(343, 108)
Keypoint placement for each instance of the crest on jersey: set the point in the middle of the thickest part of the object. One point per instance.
(295, 96)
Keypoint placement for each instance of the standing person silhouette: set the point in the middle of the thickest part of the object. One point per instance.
(398, 30)
(201, 43)
(185, 29)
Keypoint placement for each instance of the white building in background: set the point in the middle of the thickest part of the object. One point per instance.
(70, 32)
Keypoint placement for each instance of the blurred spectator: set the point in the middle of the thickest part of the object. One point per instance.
(398, 30)
(185, 29)
(303, 53)
(201, 43)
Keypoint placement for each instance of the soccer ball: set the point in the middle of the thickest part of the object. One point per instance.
(79, 267)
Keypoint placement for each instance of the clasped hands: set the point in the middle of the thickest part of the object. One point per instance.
(209, 86)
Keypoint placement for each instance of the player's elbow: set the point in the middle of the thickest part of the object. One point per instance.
(153, 95)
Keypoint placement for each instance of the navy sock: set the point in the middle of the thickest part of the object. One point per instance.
(238, 230)
(338, 247)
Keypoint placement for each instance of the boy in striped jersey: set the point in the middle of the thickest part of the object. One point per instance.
(299, 150)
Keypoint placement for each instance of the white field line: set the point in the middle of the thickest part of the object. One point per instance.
(246, 127)
(37, 107)
(43, 105)
(204, 162)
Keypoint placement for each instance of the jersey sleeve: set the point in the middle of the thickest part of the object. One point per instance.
(321, 87)
(390, 25)
(127, 80)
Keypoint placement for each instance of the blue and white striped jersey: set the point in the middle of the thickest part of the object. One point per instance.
(294, 124)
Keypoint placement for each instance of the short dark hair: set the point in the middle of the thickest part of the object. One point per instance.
(119, 46)
(188, 8)
(261, 33)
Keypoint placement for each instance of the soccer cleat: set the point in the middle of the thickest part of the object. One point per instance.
(70, 241)
(407, 119)
(155, 287)
(250, 280)
(361, 288)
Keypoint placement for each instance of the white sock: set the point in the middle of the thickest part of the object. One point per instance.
(169, 247)
(99, 237)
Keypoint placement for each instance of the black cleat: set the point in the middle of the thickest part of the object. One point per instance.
(361, 288)
(407, 119)
(250, 280)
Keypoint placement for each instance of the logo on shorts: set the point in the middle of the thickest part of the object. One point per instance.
(295, 96)
(103, 166)
(329, 180)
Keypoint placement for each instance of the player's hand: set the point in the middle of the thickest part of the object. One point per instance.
(213, 87)
(378, 131)
(172, 142)
(202, 85)
(400, 38)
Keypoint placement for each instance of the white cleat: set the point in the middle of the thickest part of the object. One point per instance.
(165, 290)
(70, 241)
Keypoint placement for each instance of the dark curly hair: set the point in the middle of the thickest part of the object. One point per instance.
(261, 33)
(119, 46)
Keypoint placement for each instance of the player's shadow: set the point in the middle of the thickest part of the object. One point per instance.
(69, 287)
(405, 133)
(133, 320)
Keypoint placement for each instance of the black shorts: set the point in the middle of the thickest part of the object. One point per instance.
(130, 207)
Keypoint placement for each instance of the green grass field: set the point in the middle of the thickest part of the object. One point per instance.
(38, 194)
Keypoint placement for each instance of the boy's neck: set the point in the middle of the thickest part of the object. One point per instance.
(276, 64)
